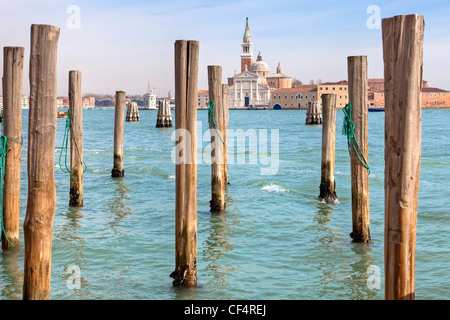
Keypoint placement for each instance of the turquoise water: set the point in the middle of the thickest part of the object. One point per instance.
(274, 241)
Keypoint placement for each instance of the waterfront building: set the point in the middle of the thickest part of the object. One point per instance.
(340, 88)
(25, 102)
(203, 98)
(293, 98)
(435, 98)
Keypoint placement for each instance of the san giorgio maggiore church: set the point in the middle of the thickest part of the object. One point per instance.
(252, 86)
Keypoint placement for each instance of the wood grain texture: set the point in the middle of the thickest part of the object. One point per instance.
(403, 62)
(76, 139)
(41, 203)
(186, 88)
(217, 203)
(119, 116)
(327, 181)
(13, 60)
(357, 91)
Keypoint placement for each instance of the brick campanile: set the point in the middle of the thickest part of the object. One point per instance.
(246, 49)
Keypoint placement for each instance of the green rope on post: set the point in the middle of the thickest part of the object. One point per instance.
(3, 152)
(211, 106)
(65, 148)
(348, 129)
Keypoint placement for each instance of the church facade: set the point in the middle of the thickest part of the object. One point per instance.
(252, 86)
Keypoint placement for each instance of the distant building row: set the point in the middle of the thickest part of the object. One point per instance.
(298, 97)
(256, 87)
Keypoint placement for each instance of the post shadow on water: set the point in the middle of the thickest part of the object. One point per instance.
(74, 243)
(118, 204)
(12, 275)
(350, 277)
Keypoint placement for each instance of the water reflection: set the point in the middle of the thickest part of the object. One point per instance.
(328, 249)
(220, 227)
(11, 275)
(357, 279)
(344, 272)
(119, 202)
(73, 254)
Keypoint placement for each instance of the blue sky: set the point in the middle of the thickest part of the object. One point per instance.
(123, 45)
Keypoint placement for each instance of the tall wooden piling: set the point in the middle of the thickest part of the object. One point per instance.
(357, 90)
(327, 182)
(76, 139)
(118, 170)
(41, 203)
(186, 87)
(217, 203)
(403, 62)
(13, 58)
(225, 90)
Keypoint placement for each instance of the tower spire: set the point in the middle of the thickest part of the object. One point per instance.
(246, 48)
(247, 35)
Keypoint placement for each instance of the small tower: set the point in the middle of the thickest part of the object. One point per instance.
(279, 67)
(151, 97)
(246, 49)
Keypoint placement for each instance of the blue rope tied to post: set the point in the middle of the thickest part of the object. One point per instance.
(65, 148)
(211, 106)
(3, 151)
(348, 129)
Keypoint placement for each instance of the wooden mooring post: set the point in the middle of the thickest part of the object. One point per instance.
(132, 112)
(313, 113)
(225, 90)
(118, 170)
(186, 86)
(328, 183)
(41, 203)
(164, 117)
(76, 139)
(217, 203)
(403, 62)
(357, 90)
(13, 59)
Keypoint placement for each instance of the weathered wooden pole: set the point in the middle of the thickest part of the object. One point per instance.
(41, 203)
(403, 62)
(186, 88)
(217, 203)
(357, 90)
(225, 90)
(118, 170)
(13, 58)
(327, 182)
(76, 139)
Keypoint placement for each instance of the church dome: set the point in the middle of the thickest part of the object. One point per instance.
(260, 66)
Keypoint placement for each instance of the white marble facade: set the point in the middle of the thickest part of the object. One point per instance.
(247, 91)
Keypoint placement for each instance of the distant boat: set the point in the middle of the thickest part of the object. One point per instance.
(62, 114)
(376, 109)
(256, 108)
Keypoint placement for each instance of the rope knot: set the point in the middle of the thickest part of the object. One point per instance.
(348, 129)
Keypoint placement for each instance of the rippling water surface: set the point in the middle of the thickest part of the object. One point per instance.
(274, 241)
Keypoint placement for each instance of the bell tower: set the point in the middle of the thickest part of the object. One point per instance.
(246, 49)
